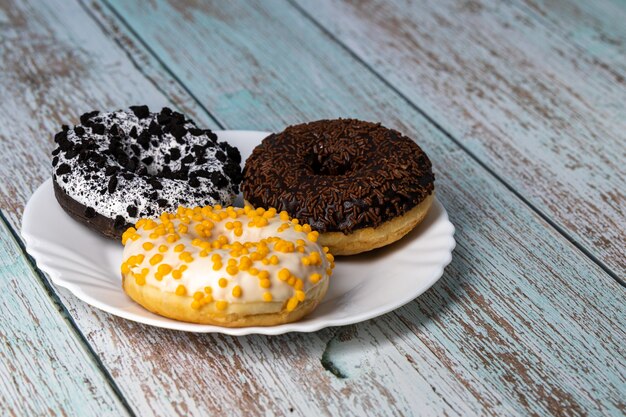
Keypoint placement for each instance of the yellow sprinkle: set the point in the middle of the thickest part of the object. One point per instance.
(265, 283)
(195, 305)
(300, 295)
(274, 260)
(147, 245)
(181, 290)
(177, 274)
(198, 296)
(314, 278)
(125, 268)
(162, 248)
(292, 304)
(223, 282)
(208, 290)
(140, 279)
(156, 259)
(164, 269)
(221, 305)
(179, 248)
(284, 274)
(237, 291)
(267, 296)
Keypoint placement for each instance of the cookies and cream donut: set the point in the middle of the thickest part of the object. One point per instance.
(114, 168)
(360, 184)
(230, 267)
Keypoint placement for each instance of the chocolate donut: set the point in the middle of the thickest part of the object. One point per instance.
(346, 178)
(114, 168)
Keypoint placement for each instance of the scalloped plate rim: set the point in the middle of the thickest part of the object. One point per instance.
(33, 242)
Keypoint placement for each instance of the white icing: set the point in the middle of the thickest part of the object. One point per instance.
(200, 273)
(92, 192)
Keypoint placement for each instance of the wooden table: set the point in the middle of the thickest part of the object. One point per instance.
(519, 103)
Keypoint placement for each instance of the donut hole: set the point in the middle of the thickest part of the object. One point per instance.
(331, 164)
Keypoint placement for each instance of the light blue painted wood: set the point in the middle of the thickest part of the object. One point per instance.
(509, 330)
(597, 27)
(520, 309)
(44, 369)
(520, 92)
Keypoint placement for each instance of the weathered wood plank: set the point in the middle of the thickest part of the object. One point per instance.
(44, 369)
(47, 60)
(515, 90)
(410, 362)
(596, 26)
(537, 295)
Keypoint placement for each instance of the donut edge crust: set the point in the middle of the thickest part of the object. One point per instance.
(99, 223)
(369, 238)
(178, 307)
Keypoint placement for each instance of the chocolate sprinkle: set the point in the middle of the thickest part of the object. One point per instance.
(338, 175)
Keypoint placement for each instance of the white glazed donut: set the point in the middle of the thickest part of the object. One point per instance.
(230, 267)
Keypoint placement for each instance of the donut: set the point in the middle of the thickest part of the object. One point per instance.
(360, 184)
(231, 267)
(114, 168)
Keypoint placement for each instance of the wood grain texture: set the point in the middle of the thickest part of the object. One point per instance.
(44, 369)
(597, 27)
(521, 323)
(56, 65)
(519, 90)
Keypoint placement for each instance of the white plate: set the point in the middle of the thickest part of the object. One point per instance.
(362, 286)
